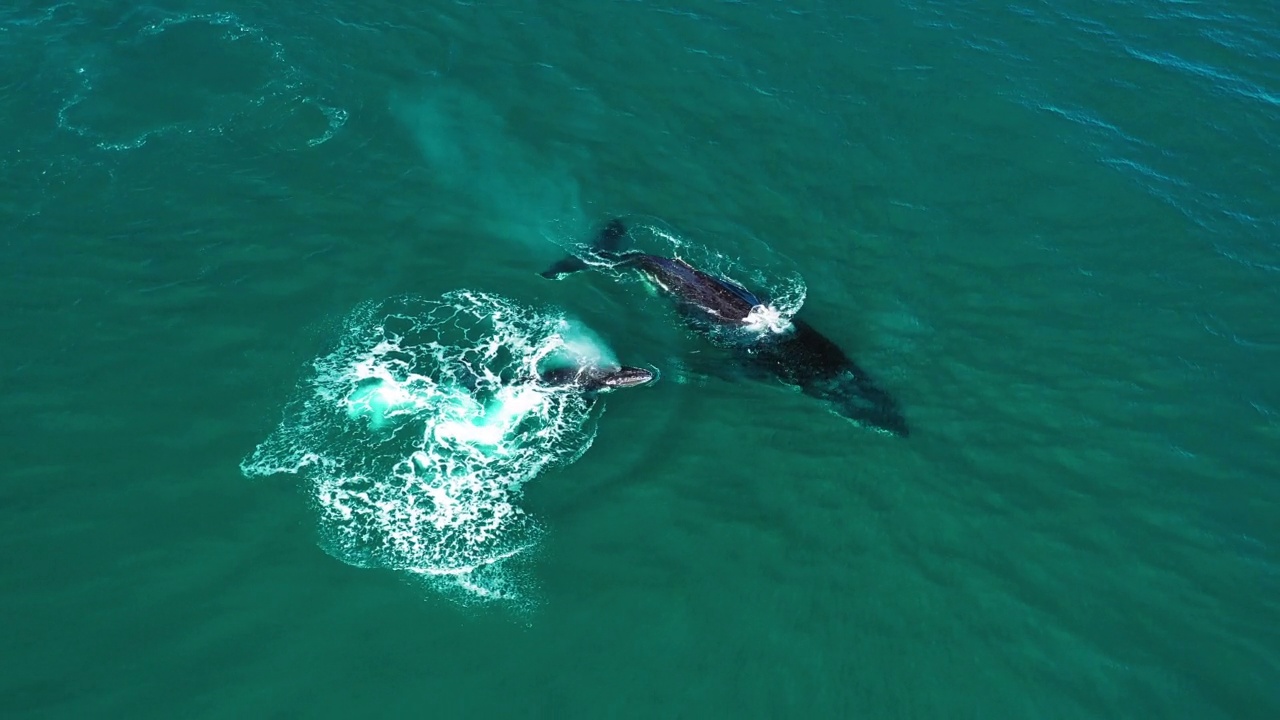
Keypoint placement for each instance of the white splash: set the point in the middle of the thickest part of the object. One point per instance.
(417, 433)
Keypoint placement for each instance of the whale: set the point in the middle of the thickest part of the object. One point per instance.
(797, 355)
(597, 379)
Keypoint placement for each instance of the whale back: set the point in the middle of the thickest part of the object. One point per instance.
(720, 299)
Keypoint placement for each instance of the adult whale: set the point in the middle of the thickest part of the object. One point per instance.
(799, 356)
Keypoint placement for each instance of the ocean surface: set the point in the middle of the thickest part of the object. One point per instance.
(247, 250)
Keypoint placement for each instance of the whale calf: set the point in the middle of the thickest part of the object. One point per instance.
(597, 379)
(799, 355)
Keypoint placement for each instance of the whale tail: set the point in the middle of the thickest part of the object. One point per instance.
(607, 245)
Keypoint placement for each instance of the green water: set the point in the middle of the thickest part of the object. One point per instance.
(1048, 229)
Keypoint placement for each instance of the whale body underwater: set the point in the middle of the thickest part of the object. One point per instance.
(799, 356)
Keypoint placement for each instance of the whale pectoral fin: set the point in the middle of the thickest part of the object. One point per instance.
(695, 369)
(700, 367)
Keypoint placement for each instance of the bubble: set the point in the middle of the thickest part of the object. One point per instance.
(767, 320)
(193, 74)
(417, 432)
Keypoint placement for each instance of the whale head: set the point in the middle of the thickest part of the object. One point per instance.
(600, 379)
(623, 377)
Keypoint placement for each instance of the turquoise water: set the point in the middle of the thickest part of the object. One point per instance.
(1049, 229)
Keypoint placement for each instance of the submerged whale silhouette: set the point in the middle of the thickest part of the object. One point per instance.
(799, 356)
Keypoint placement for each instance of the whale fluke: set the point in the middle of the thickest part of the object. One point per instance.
(607, 243)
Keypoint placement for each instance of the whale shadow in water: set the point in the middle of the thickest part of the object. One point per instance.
(724, 312)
